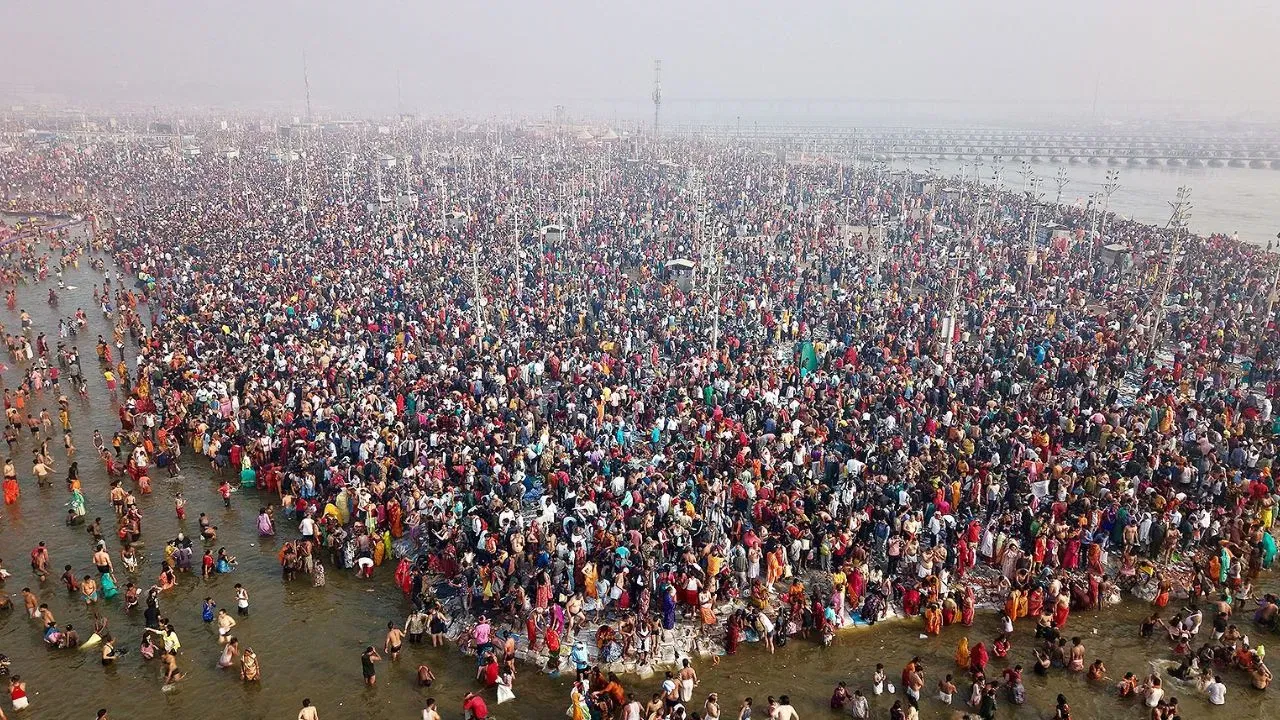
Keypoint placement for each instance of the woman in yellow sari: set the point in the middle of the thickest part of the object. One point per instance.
(962, 654)
(578, 702)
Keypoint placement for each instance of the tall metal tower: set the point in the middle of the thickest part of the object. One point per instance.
(306, 83)
(657, 97)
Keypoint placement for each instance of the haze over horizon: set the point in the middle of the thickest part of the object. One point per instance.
(987, 60)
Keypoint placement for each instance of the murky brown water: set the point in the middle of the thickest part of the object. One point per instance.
(309, 639)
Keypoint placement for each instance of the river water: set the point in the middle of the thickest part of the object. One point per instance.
(1225, 200)
(309, 639)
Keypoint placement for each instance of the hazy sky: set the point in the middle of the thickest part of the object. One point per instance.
(986, 56)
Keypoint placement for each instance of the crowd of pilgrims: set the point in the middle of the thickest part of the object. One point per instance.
(577, 444)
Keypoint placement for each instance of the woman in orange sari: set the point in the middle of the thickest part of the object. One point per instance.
(932, 620)
(773, 572)
(395, 518)
(11, 490)
(1011, 604)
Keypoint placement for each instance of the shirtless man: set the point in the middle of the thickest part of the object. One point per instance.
(395, 638)
(102, 560)
(41, 471)
(117, 497)
(1260, 676)
(31, 602)
(170, 667)
(225, 623)
(688, 679)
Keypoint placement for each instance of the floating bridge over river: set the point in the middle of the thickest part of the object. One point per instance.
(1012, 145)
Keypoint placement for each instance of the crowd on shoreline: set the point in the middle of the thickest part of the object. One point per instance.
(592, 442)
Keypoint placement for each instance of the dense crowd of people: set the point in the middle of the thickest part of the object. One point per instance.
(865, 400)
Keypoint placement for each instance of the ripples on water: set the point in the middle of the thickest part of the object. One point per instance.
(309, 639)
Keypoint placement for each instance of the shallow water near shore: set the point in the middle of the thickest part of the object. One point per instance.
(309, 639)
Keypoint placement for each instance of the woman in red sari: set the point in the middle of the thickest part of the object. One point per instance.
(978, 659)
(1062, 610)
(968, 604)
(402, 576)
(1071, 554)
(964, 558)
(1035, 602)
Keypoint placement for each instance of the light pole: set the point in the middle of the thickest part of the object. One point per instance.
(1092, 209)
(476, 298)
(1061, 181)
(1178, 222)
(1027, 174)
(1108, 187)
(1271, 298)
(1034, 198)
(444, 206)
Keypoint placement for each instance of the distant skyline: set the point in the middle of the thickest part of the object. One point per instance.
(985, 60)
